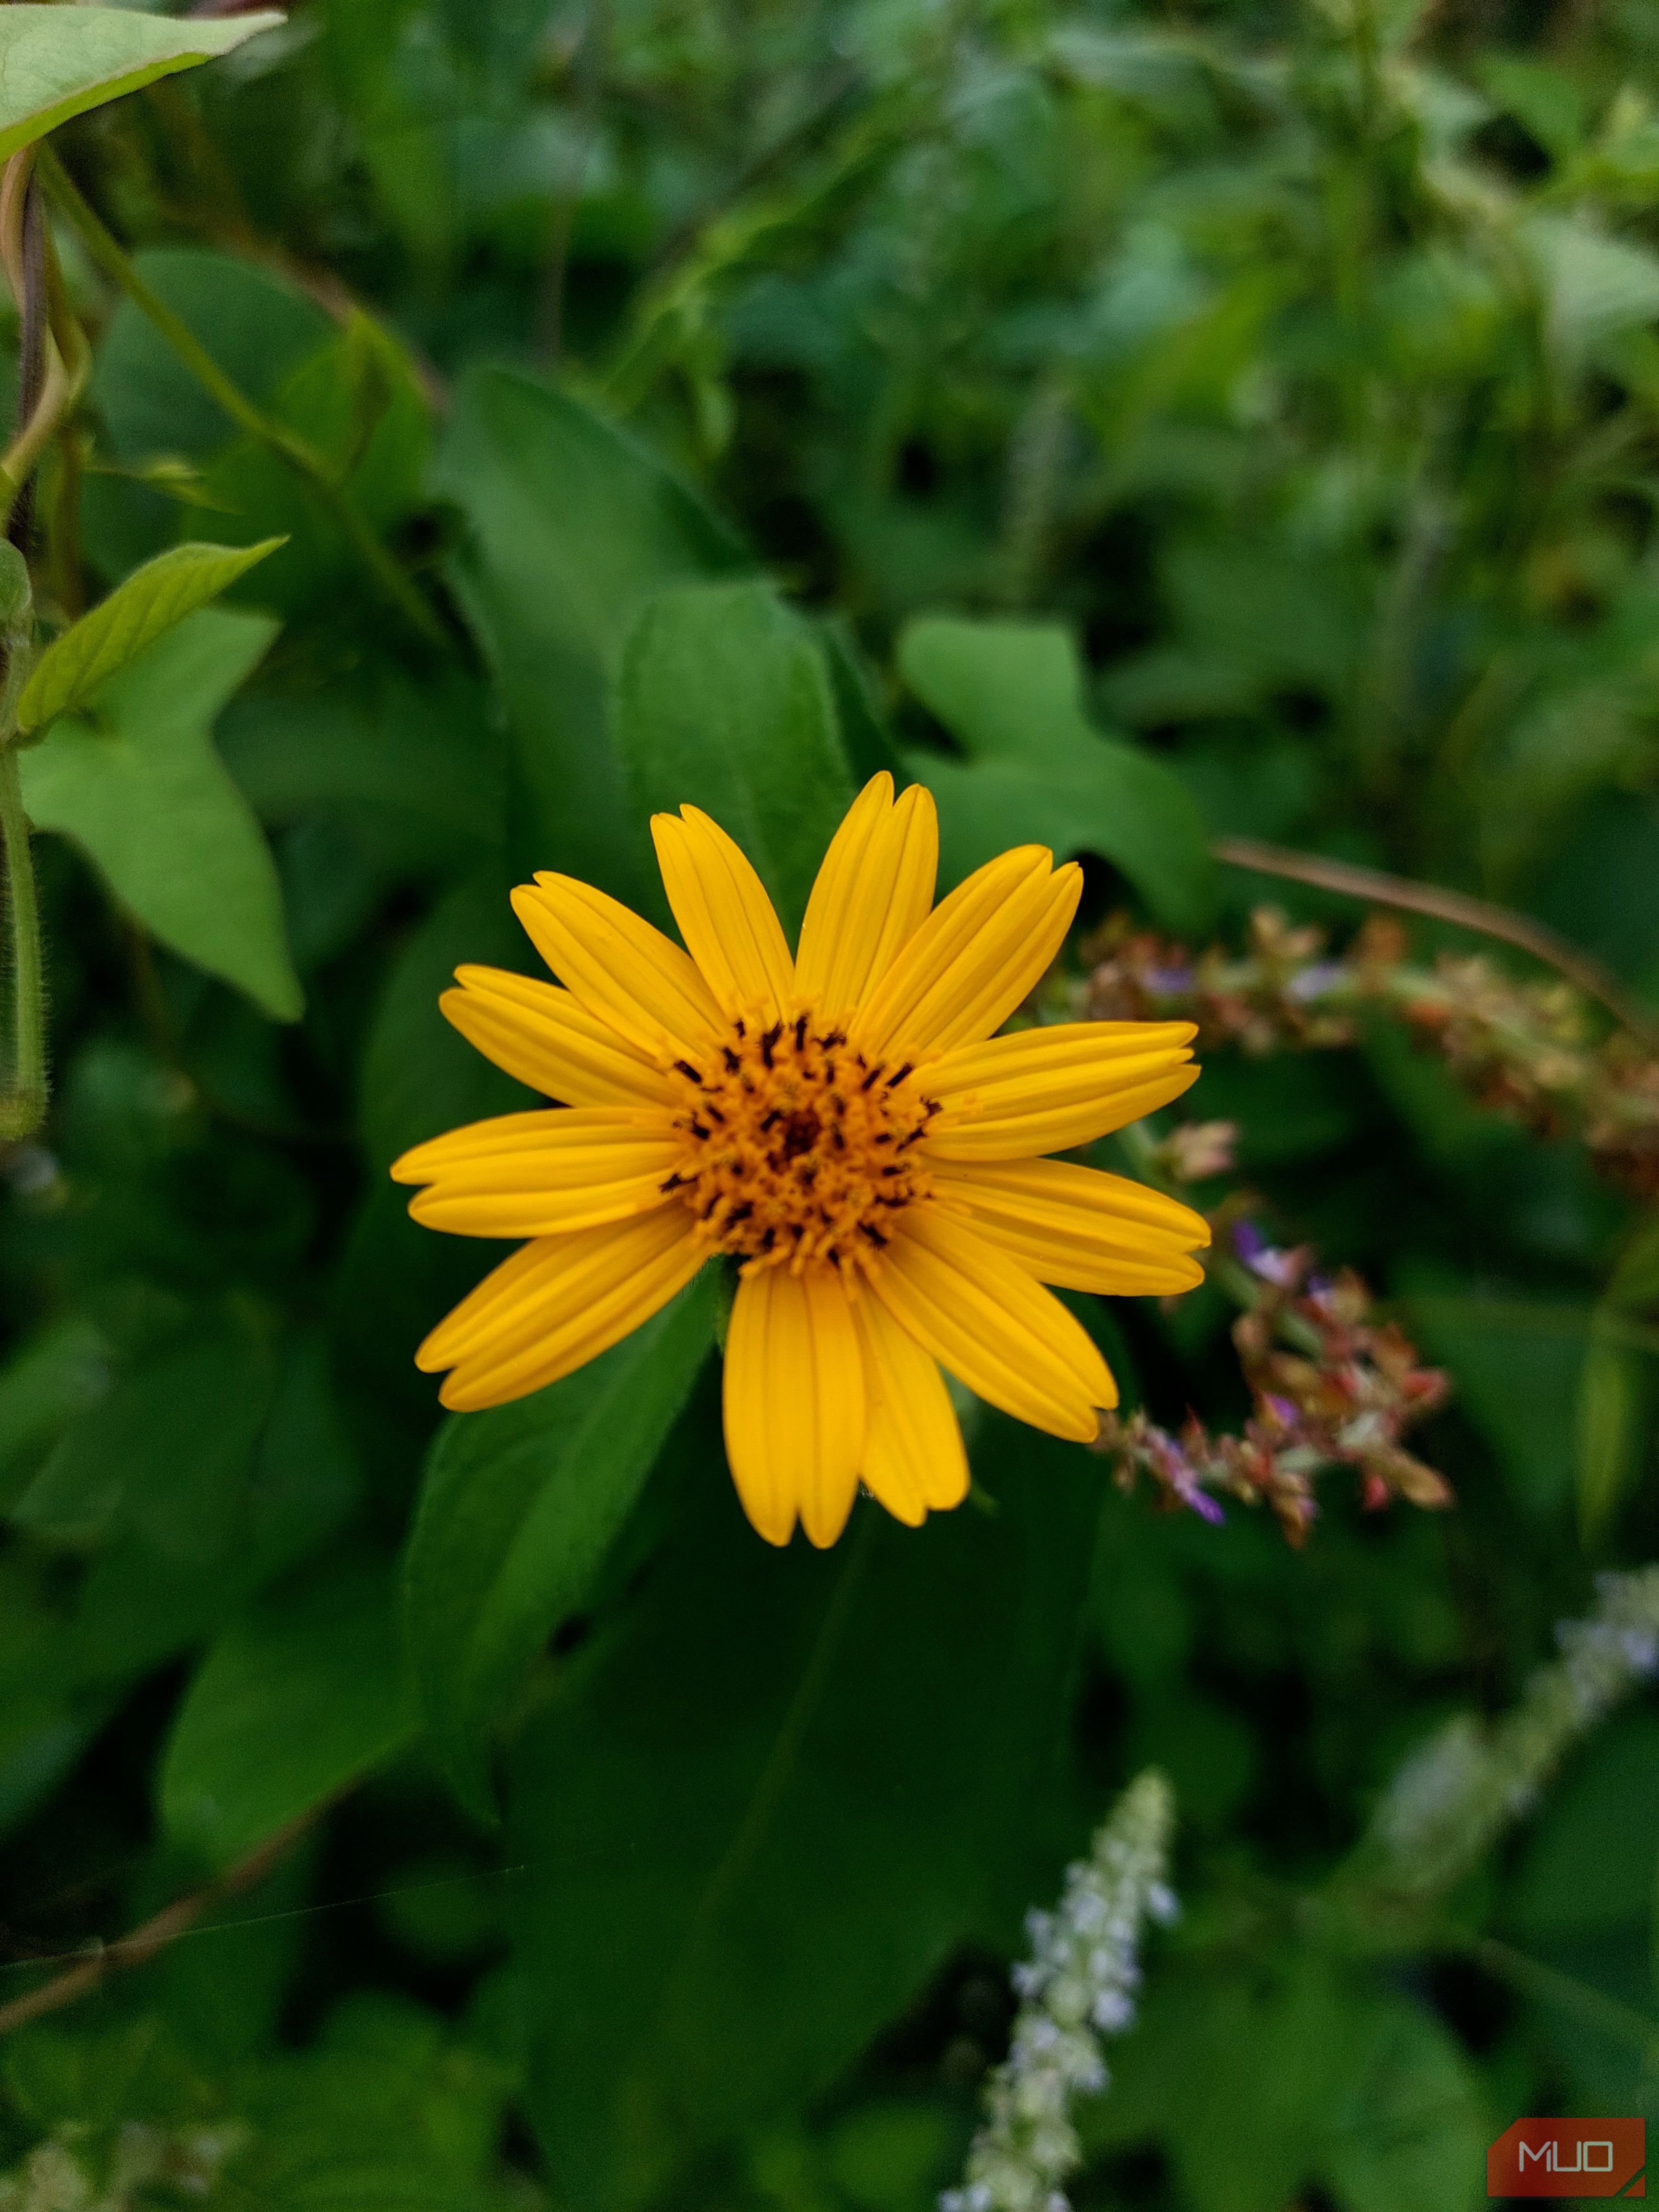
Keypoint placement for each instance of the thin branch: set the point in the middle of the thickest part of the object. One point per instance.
(1377, 889)
(393, 585)
(29, 283)
(589, 72)
(153, 1936)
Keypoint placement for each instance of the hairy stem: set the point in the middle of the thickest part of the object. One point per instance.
(23, 1102)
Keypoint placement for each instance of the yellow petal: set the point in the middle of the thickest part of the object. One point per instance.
(724, 914)
(974, 958)
(534, 1175)
(1046, 1090)
(557, 1304)
(991, 1324)
(872, 895)
(794, 1402)
(1079, 1227)
(913, 1453)
(549, 1040)
(621, 970)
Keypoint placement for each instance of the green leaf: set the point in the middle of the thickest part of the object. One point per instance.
(44, 1383)
(1514, 1365)
(1263, 2060)
(420, 1077)
(1603, 1814)
(776, 1794)
(519, 1508)
(1610, 1434)
(413, 770)
(1594, 285)
(259, 328)
(358, 403)
(1581, 1906)
(56, 63)
(1635, 1283)
(723, 699)
(300, 1699)
(1038, 771)
(1410, 2126)
(153, 600)
(145, 795)
(1260, 2080)
(385, 2112)
(163, 1455)
(571, 526)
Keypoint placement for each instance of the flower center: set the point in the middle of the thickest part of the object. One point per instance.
(796, 1148)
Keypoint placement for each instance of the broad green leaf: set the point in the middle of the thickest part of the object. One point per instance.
(142, 792)
(387, 2110)
(414, 769)
(153, 600)
(1582, 1906)
(1548, 102)
(164, 1454)
(58, 62)
(46, 1383)
(1037, 770)
(227, 1467)
(1514, 1365)
(358, 403)
(256, 326)
(299, 1698)
(420, 1077)
(723, 700)
(519, 1508)
(775, 1793)
(1265, 2061)
(1257, 2081)
(571, 525)
(1595, 285)
(1604, 1814)
(47, 1716)
(1410, 2126)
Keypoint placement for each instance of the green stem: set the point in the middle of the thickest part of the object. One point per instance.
(389, 579)
(23, 1102)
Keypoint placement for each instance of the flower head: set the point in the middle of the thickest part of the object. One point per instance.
(845, 1125)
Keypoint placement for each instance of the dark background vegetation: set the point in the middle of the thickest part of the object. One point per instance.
(1305, 361)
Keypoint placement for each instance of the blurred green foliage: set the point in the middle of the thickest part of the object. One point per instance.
(1145, 424)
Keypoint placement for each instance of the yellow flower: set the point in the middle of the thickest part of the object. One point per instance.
(846, 1124)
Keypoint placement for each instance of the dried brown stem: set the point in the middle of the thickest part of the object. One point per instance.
(1399, 891)
(153, 1935)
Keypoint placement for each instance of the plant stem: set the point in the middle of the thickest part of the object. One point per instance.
(1456, 907)
(154, 1934)
(389, 579)
(23, 1103)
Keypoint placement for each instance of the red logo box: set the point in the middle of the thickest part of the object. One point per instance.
(1569, 2159)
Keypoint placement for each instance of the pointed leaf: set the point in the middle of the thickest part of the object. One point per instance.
(57, 62)
(777, 1791)
(571, 525)
(293, 1703)
(724, 700)
(1038, 771)
(1609, 1434)
(153, 600)
(144, 794)
(519, 1508)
